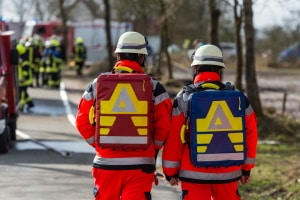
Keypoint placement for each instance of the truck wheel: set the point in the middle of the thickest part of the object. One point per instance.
(5, 141)
(13, 126)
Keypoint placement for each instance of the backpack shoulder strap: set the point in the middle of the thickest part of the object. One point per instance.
(190, 88)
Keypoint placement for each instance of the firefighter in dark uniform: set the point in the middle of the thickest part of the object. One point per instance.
(34, 54)
(79, 52)
(24, 79)
(54, 64)
(37, 47)
(45, 62)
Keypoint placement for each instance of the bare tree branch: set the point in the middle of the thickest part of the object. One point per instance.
(94, 8)
(22, 7)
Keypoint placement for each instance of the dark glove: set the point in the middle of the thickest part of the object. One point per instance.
(245, 177)
(173, 180)
(168, 178)
(246, 173)
(156, 176)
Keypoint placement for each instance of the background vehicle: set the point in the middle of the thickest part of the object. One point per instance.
(229, 50)
(92, 33)
(290, 54)
(8, 92)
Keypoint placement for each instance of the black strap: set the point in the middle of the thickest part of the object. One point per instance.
(191, 88)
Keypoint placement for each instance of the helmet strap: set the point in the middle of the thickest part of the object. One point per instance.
(142, 60)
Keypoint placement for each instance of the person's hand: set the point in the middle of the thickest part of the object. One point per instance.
(156, 176)
(174, 181)
(245, 179)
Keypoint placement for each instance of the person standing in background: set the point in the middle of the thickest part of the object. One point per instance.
(79, 53)
(25, 78)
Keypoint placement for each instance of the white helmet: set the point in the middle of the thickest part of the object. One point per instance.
(208, 55)
(132, 42)
(47, 43)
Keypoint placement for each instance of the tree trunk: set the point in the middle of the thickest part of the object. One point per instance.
(215, 14)
(238, 18)
(165, 39)
(108, 34)
(166, 42)
(64, 43)
(213, 34)
(251, 82)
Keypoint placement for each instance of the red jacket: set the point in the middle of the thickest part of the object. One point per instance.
(108, 158)
(176, 155)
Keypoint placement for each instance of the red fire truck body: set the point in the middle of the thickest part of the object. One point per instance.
(8, 92)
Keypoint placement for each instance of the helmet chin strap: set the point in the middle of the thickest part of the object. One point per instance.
(195, 72)
(194, 76)
(142, 62)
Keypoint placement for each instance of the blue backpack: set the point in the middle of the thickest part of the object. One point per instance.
(217, 127)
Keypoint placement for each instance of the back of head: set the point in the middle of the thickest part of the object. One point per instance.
(208, 56)
(132, 42)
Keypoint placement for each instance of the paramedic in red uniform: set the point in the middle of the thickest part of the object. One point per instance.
(120, 173)
(206, 183)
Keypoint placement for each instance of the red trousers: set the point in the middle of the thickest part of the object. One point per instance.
(122, 184)
(225, 191)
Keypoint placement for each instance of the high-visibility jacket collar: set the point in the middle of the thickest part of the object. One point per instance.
(207, 76)
(134, 66)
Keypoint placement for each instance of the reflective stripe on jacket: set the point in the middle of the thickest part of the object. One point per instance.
(25, 74)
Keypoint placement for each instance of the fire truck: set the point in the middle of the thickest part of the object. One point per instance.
(92, 32)
(8, 92)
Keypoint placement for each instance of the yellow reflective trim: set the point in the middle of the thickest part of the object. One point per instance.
(210, 86)
(123, 68)
(139, 121)
(104, 131)
(142, 131)
(124, 101)
(204, 138)
(92, 115)
(238, 147)
(219, 118)
(182, 134)
(201, 149)
(236, 137)
(107, 120)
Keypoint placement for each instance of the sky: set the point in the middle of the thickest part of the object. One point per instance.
(273, 12)
(266, 12)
